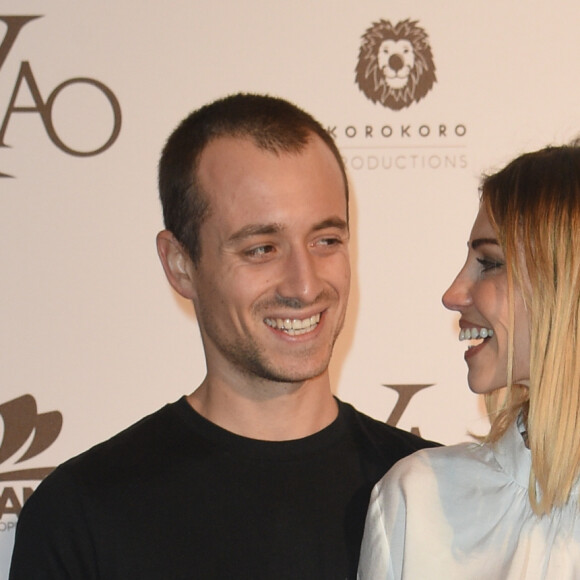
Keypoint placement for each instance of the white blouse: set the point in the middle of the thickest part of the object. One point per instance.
(462, 512)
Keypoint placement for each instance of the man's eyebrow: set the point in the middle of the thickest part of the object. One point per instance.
(255, 230)
(474, 244)
(274, 228)
(333, 222)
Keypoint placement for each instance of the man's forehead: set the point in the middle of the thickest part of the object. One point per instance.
(227, 156)
(238, 157)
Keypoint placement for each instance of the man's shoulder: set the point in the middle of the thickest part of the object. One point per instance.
(397, 443)
(140, 446)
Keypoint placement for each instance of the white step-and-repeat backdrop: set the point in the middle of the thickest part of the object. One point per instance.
(91, 336)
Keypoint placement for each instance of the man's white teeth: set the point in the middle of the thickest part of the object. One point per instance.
(294, 326)
(472, 333)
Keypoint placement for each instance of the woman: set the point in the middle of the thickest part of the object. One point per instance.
(508, 507)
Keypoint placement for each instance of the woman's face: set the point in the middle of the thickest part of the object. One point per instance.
(480, 295)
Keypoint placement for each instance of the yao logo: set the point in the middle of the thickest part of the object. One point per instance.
(405, 394)
(44, 107)
(29, 432)
(395, 65)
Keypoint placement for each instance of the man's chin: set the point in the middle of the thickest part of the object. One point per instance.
(295, 375)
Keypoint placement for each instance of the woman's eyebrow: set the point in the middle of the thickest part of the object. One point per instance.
(474, 244)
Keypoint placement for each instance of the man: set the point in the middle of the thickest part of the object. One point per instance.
(260, 473)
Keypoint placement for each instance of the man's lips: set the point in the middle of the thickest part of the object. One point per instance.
(294, 326)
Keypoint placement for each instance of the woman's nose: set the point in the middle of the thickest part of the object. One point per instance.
(458, 295)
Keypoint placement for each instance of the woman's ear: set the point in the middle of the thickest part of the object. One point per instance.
(176, 263)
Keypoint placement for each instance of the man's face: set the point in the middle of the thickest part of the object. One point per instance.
(272, 283)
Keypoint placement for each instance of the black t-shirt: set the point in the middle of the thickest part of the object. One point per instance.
(177, 497)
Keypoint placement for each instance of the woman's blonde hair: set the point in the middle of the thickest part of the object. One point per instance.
(534, 205)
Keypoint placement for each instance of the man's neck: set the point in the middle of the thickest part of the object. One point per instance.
(273, 412)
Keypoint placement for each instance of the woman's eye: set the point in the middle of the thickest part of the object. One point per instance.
(488, 265)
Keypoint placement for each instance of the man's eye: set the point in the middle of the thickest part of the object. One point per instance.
(488, 265)
(330, 241)
(259, 251)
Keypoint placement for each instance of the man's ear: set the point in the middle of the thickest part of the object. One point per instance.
(176, 263)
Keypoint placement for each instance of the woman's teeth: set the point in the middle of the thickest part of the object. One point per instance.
(475, 334)
(471, 333)
(294, 326)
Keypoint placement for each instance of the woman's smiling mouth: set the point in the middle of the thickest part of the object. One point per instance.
(478, 335)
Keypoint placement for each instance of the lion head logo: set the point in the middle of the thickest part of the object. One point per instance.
(395, 65)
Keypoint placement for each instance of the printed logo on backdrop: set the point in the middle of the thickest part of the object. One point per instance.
(396, 72)
(395, 65)
(405, 394)
(26, 434)
(25, 82)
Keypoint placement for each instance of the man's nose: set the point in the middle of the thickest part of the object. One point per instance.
(300, 278)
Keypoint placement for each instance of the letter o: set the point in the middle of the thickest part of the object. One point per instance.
(357, 162)
(434, 162)
(112, 101)
(386, 130)
(350, 131)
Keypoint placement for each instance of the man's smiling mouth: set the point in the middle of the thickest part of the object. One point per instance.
(294, 326)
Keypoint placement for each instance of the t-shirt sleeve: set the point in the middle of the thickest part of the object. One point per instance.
(53, 539)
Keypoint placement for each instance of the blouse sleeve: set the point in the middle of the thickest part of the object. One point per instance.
(383, 542)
